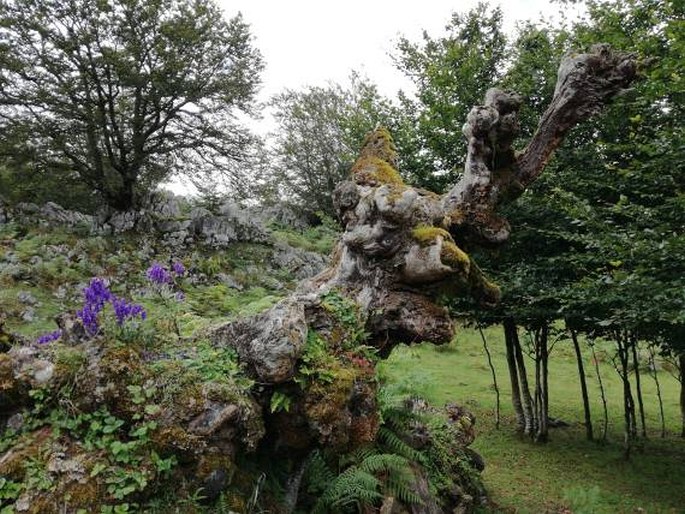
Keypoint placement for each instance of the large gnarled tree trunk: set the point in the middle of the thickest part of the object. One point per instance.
(401, 249)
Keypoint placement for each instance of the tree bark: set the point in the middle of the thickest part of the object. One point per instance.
(494, 377)
(630, 431)
(541, 383)
(655, 376)
(638, 384)
(513, 377)
(526, 398)
(583, 385)
(602, 393)
(681, 362)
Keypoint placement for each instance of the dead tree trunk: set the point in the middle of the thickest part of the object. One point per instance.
(583, 385)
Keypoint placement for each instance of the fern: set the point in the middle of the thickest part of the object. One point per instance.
(396, 445)
(318, 475)
(353, 487)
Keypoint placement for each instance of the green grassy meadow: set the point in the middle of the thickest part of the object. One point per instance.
(568, 474)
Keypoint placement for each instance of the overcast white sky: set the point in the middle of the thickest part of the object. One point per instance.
(310, 42)
(313, 42)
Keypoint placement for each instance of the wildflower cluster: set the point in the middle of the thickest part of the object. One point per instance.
(49, 337)
(163, 281)
(164, 278)
(97, 295)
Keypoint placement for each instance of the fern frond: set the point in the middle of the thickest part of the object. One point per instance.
(397, 446)
(352, 487)
(318, 475)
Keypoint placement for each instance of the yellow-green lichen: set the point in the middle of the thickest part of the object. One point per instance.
(379, 144)
(454, 256)
(426, 235)
(482, 289)
(377, 160)
(374, 171)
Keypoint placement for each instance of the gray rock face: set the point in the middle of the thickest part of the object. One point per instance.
(270, 343)
(300, 263)
(233, 224)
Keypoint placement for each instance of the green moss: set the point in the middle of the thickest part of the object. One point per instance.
(454, 256)
(379, 144)
(375, 171)
(426, 235)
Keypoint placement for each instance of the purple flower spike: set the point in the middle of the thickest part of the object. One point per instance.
(158, 274)
(97, 293)
(178, 268)
(49, 337)
(124, 311)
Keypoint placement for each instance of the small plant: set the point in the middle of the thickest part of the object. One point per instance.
(165, 284)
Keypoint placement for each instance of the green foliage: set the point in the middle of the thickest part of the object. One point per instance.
(98, 91)
(567, 460)
(320, 132)
(366, 478)
(451, 74)
(280, 402)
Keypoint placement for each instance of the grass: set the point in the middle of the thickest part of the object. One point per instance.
(569, 471)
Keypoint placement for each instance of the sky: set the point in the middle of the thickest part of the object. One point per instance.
(314, 42)
(311, 42)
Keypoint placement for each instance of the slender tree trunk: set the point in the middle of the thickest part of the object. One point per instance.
(526, 398)
(602, 393)
(494, 377)
(638, 384)
(583, 385)
(628, 401)
(542, 383)
(681, 362)
(655, 376)
(514, 379)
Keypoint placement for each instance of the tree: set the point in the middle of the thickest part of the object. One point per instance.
(451, 73)
(124, 94)
(319, 132)
(397, 257)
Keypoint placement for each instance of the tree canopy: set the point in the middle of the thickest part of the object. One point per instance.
(124, 94)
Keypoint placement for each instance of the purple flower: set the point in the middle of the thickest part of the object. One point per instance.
(97, 292)
(158, 274)
(89, 317)
(96, 295)
(124, 311)
(178, 268)
(49, 337)
(180, 296)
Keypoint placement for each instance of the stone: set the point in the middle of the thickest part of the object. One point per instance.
(270, 343)
(43, 371)
(16, 422)
(29, 315)
(27, 298)
(302, 264)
